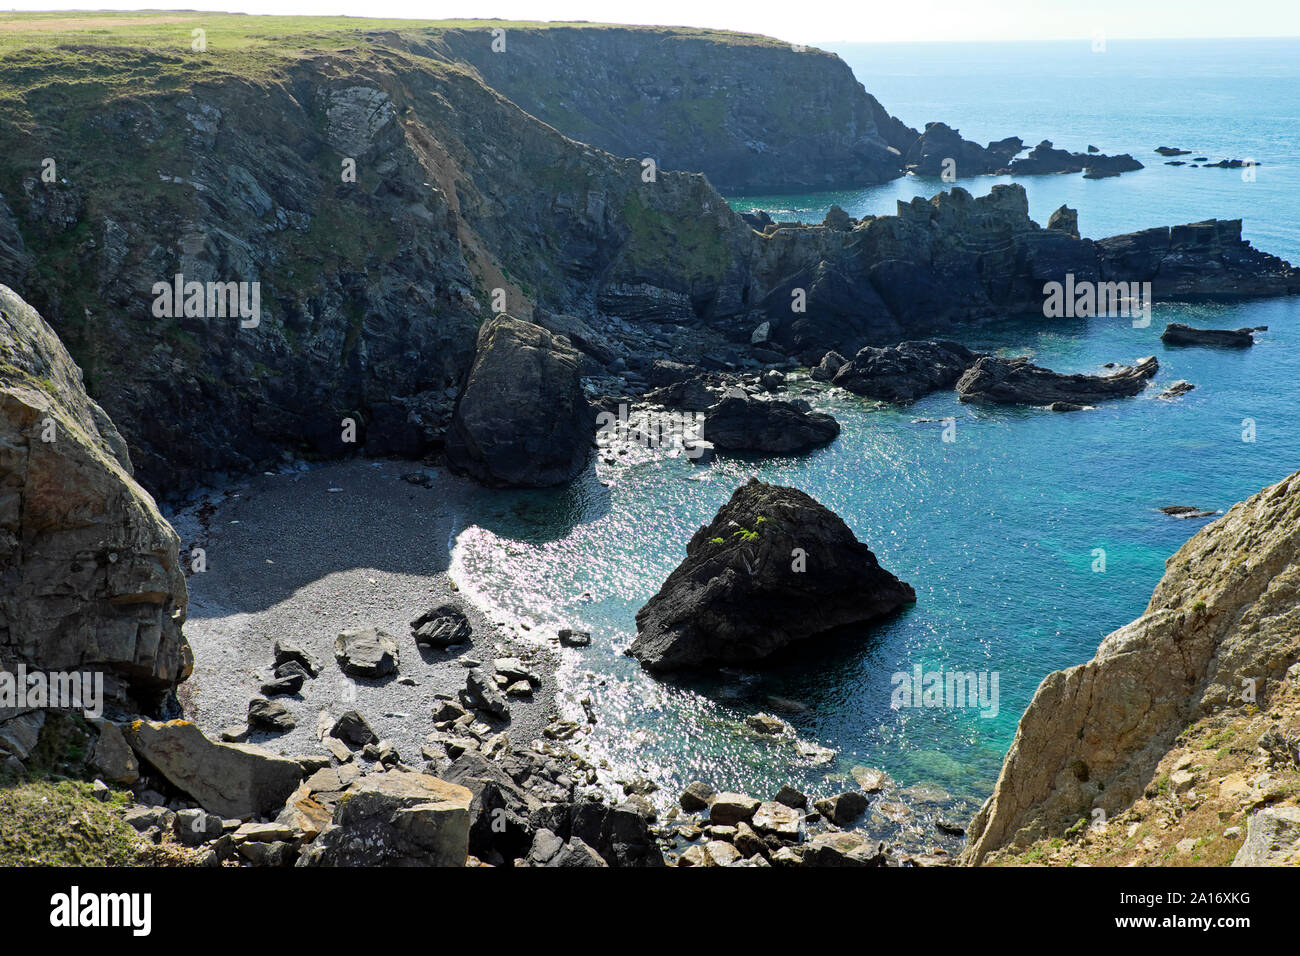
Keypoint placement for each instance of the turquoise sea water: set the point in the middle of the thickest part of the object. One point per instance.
(998, 530)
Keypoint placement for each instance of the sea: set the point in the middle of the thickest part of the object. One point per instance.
(1028, 535)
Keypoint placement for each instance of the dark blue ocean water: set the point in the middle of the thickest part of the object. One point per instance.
(998, 530)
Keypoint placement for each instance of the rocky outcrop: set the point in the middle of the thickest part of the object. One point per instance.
(522, 420)
(1176, 333)
(905, 372)
(768, 427)
(90, 576)
(999, 381)
(1045, 159)
(1222, 619)
(773, 568)
(941, 151)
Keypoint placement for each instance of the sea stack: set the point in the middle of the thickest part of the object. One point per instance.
(773, 568)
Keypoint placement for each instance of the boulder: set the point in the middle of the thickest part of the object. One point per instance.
(234, 781)
(773, 568)
(843, 808)
(728, 809)
(90, 574)
(269, 715)
(482, 693)
(620, 834)
(354, 730)
(905, 372)
(367, 652)
(1001, 381)
(443, 626)
(696, 797)
(843, 849)
(767, 427)
(522, 419)
(831, 363)
(112, 757)
(1272, 838)
(396, 818)
(549, 850)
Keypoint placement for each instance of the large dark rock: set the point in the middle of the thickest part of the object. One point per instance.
(619, 834)
(941, 150)
(773, 568)
(522, 420)
(1000, 381)
(769, 427)
(1178, 334)
(905, 372)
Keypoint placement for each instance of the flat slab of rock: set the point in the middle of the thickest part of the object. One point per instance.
(1000, 381)
(234, 781)
(1176, 333)
(367, 652)
(772, 569)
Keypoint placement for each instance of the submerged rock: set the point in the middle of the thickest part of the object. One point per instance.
(522, 420)
(1001, 381)
(773, 568)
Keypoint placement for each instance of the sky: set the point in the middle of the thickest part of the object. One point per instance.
(816, 21)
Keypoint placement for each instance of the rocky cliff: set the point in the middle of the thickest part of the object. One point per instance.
(749, 112)
(377, 201)
(89, 572)
(1185, 724)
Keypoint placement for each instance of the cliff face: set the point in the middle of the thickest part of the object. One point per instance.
(1186, 720)
(376, 196)
(89, 573)
(370, 291)
(749, 112)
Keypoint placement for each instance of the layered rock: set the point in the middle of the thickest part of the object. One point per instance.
(940, 151)
(90, 576)
(905, 372)
(1222, 619)
(522, 420)
(773, 568)
(1000, 381)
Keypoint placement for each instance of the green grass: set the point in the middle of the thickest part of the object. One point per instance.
(61, 823)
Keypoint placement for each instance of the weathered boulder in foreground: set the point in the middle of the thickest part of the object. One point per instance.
(1000, 381)
(1224, 612)
(396, 818)
(905, 372)
(769, 427)
(773, 568)
(89, 570)
(230, 780)
(522, 420)
(1176, 333)
(1272, 838)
